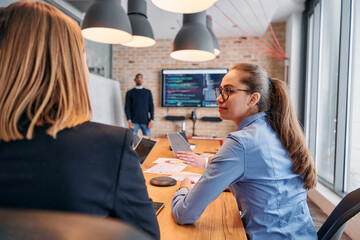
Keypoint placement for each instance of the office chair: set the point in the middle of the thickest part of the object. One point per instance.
(334, 226)
(44, 225)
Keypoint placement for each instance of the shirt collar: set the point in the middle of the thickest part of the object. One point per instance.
(141, 87)
(247, 121)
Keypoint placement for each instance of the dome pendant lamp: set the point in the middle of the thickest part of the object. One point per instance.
(106, 22)
(209, 27)
(141, 30)
(183, 6)
(193, 42)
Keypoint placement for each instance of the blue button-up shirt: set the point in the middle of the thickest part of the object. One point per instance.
(257, 168)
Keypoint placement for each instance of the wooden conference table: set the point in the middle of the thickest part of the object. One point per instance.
(220, 220)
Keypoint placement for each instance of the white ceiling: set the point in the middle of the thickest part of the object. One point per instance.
(246, 14)
(166, 24)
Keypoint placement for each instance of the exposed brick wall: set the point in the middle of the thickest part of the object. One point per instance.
(149, 61)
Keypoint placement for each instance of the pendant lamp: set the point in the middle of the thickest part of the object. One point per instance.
(183, 6)
(106, 22)
(193, 42)
(209, 27)
(143, 35)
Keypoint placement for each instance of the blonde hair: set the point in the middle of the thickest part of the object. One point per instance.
(42, 77)
(275, 101)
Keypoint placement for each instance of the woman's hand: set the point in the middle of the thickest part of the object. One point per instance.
(187, 183)
(191, 159)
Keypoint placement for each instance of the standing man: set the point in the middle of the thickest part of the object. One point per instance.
(138, 105)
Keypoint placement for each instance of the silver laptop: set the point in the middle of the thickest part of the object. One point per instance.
(144, 147)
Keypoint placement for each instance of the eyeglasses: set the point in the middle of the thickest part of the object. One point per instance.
(225, 92)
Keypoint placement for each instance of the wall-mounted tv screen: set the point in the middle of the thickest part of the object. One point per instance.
(190, 87)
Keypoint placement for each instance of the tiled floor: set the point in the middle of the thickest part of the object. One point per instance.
(319, 218)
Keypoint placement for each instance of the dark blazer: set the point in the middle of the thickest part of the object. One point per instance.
(90, 168)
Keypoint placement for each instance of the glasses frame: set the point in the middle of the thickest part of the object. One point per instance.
(229, 90)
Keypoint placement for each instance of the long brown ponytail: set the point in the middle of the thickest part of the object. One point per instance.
(282, 118)
(275, 101)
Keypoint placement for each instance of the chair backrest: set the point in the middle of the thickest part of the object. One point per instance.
(335, 224)
(43, 225)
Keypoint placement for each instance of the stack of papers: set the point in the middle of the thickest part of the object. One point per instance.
(182, 175)
(173, 167)
(167, 166)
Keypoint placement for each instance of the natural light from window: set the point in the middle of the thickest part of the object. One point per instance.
(353, 165)
(328, 88)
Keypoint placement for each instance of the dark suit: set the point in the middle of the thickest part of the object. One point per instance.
(89, 168)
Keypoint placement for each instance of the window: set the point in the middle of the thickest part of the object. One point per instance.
(311, 77)
(327, 89)
(309, 65)
(332, 118)
(99, 58)
(353, 164)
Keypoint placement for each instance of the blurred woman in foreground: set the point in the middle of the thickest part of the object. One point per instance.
(51, 156)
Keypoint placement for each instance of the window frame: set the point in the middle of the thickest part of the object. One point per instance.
(311, 78)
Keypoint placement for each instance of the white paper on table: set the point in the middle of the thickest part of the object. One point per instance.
(182, 175)
(168, 160)
(207, 155)
(166, 168)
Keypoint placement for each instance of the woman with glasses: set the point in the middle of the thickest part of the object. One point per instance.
(51, 156)
(265, 162)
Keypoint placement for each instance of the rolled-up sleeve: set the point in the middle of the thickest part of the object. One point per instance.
(225, 168)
